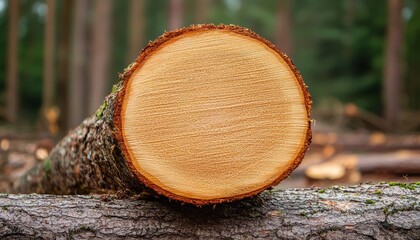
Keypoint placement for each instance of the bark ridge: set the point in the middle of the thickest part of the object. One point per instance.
(357, 212)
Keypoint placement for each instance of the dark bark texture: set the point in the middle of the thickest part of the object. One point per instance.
(87, 160)
(357, 212)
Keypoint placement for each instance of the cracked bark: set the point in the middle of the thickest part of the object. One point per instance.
(357, 212)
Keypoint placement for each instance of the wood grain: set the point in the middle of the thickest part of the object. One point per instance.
(213, 114)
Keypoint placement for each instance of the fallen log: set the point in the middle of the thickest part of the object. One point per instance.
(357, 212)
(206, 114)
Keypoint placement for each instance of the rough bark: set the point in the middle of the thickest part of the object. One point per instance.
(358, 212)
(87, 160)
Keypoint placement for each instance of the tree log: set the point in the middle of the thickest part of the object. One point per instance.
(206, 114)
(357, 212)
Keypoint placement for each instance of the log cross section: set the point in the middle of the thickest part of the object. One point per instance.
(206, 114)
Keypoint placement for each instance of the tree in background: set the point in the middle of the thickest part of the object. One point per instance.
(412, 50)
(12, 62)
(136, 28)
(349, 49)
(64, 62)
(341, 52)
(49, 113)
(284, 22)
(176, 13)
(101, 50)
(202, 11)
(78, 64)
(393, 76)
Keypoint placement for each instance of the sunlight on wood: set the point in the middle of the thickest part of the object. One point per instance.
(329, 170)
(328, 151)
(377, 138)
(41, 153)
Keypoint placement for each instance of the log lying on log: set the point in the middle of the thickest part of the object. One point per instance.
(358, 212)
(206, 114)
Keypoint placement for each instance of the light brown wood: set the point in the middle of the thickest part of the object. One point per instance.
(214, 114)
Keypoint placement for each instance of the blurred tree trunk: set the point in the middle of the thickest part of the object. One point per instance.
(12, 64)
(412, 87)
(49, 113)
(201, 14)
(49, 44)
(78, 69)
(176, 14)
(136, 28)
(393, 61)
(63, 67)
(284, 26)
(101, 47)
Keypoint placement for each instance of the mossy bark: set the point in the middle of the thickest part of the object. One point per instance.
(87, 160)
(357, 212)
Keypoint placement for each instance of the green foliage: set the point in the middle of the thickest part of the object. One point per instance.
(337, 45)
(100, 111)
(340, 51)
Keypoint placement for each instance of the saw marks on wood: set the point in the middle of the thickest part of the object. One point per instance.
(213, 114)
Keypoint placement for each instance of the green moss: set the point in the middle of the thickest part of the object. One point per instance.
(128, 68)
(100, 111)
(47, 166)
(378, 192)
(4, 208)
(116, 87)
(303, 214)
(410, 186)
(321, 191)
(370, 201)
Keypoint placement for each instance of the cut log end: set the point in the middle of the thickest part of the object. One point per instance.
(210, 114)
